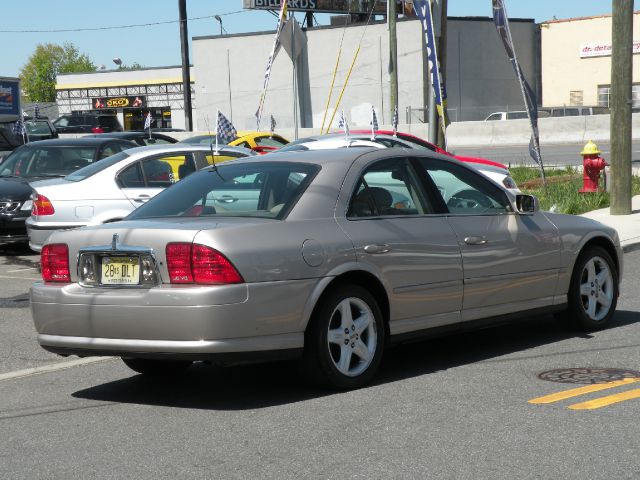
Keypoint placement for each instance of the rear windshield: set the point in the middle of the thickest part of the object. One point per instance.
(96, 167)
(49, 161)
(265, 190)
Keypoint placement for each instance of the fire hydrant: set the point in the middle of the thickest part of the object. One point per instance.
(592, 164)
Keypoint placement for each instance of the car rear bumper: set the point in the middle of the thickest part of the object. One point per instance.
(12, 228)
(170, 319)
(38, 234)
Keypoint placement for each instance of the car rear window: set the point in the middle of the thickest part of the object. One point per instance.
(96, 167)
(45, 161)
(265, 190)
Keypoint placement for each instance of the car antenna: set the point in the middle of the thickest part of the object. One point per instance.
(217, 151)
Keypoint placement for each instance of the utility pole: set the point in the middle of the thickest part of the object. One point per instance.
(186, 74)
(393, 56)
(620, 104)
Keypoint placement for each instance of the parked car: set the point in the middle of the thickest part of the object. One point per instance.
(260, 142)
(8, 141)
(515, 115)
(39, 160)
(87, 123)
(494, 170)
(142, 138)
(109, 190)
(329, 142)
(39, 128)
(304, 254)
(574, 111)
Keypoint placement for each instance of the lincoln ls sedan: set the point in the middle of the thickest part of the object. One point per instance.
(307, 254)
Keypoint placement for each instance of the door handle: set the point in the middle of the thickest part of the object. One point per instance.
(226, 199)
(142, 198)
(377, 248)
(475, 240)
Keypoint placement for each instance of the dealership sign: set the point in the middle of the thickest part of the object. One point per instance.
(119, 102)
(322, 6)
(9, 96)
(602, 49)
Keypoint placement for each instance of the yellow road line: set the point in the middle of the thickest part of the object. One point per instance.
(555, 397)
(605, 401)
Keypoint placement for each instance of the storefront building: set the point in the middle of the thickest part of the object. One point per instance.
(576, 61)
(129, 94)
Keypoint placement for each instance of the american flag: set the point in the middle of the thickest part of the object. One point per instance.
(226, 132)
(374, 122)
(147, 121)
(273, 125)
(394, 122)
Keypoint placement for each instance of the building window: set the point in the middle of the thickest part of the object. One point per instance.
(604, 91)
(576, 97)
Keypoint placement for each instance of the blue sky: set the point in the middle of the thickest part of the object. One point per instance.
(159, 45)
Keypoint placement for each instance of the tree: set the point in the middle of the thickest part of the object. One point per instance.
(133, 66)
(38, 75)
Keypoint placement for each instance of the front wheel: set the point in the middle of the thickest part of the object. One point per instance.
(156, 368)
(593, 293)
(345, 338)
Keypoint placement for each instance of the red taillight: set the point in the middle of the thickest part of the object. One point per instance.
(97, 130)
(54, 260)
(194, 263)
(42, 206)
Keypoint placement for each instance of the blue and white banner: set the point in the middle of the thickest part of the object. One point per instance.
(501, 21)
(424, 14)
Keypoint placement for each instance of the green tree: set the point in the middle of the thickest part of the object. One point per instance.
(38, 75)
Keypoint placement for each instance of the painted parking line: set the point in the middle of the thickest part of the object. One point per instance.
(606, 401)
(592, 404)
(55, 367)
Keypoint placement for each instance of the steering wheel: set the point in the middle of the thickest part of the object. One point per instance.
(469, 199)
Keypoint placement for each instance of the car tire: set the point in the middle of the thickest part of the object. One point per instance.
(593, 291)
(345, 339)
(156, 368)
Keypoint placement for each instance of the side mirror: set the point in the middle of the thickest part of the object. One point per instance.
(527, 204)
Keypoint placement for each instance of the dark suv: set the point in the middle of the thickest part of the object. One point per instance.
(87, 123)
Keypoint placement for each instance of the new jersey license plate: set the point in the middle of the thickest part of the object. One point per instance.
(120, 271)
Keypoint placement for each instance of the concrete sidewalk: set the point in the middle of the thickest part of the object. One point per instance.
(628, 226)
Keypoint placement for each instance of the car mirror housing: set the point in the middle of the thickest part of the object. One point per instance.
(527, 204)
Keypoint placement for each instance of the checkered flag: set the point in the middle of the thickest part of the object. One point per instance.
(273, 125)
(19, 128)
(374, 122)
(342, 123)
(36, 111)
(147, 121)
(394, 122)
(226, 132)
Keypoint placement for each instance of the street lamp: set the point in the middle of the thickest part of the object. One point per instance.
(217, 17)
(117, 61)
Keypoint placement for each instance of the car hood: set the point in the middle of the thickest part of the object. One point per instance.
(14, 188)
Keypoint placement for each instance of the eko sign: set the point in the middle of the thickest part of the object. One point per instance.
(602, 49)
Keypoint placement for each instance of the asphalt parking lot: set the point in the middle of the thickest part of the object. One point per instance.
(516, 401)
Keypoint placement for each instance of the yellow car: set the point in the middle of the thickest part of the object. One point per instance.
(260, 142)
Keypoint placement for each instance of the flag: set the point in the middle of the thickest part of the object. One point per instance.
(394, 122)
(272, 125)
(147, 121)
(423, 12)
(501, 22)
(19, 128)
(36, 111)
(226, 132)
(342, 123)
(274, 51)
(374, 122)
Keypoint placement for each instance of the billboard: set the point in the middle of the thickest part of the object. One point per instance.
(9, 96)
(323, 6)
(119, 102)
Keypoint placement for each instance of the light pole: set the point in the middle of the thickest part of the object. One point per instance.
(217, 17)
(118, 61)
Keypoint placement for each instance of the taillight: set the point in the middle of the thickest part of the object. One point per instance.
(97, 130)
(195, 263)
(54, 261)
(42, 206)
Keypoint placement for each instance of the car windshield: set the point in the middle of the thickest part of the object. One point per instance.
(37, 128)
(264, 190)
(96, 167)
(46, 161)
(202, 140)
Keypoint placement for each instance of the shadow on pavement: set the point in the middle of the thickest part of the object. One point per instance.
(19, 254)
(265, 385)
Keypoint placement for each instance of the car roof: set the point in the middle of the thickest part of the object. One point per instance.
(133, 134)
(79, 141)
(186, 147)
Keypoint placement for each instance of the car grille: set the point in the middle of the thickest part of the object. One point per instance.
(8, 207)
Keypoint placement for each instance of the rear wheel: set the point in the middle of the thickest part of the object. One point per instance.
(345, 338)
(593, 293)
(156, 368)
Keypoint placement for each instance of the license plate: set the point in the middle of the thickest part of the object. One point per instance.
(120, 271)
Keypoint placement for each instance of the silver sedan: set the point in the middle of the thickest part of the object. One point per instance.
(108, 190)
(330, 256)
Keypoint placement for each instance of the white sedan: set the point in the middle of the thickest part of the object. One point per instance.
(108, 190)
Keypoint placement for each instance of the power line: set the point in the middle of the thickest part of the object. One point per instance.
(66, 30)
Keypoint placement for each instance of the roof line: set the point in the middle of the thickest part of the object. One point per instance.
(574, 19)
